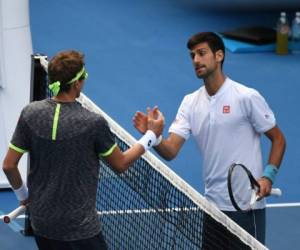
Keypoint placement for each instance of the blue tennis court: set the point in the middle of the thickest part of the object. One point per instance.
(136, 57)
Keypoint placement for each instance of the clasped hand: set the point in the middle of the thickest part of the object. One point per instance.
(153, 120)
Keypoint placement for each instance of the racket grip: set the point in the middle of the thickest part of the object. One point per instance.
(276, 192)
(13, 214)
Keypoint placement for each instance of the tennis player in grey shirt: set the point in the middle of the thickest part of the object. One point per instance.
(65, 142)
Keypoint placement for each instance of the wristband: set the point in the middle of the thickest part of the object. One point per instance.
(270, 172)
(21, 192)
(147, 140)
(158, 141)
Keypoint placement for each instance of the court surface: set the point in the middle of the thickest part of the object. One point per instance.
(136, 57)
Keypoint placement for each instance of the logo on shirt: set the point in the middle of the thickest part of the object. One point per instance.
(226, 109)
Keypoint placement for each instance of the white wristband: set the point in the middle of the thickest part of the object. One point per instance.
(158, 141)
(147, 140)
(21, 192)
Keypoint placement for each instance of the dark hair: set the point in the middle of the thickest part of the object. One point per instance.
(214, 42)
(64, 66)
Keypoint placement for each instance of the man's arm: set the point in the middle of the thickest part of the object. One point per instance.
(120, 161)
(275, 157)
(278, 146)
(167, 148)
(10, 168)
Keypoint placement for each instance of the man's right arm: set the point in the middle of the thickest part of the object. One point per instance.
(169, 147)
(120, 161)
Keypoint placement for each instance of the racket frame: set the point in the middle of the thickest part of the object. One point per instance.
(254, 184)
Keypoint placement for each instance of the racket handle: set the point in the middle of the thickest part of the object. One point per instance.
(13, 214)
(276, 192)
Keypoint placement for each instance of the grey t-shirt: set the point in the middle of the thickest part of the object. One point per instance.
(64, 170)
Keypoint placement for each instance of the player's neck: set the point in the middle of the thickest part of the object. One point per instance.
(214, 82)
(65, 97)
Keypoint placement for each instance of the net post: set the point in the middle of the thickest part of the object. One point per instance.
(38, 90)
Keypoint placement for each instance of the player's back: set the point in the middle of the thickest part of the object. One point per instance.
(64, 169)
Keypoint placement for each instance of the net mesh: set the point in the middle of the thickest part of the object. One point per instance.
(150, 207)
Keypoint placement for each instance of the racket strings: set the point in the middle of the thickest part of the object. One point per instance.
(242, 188)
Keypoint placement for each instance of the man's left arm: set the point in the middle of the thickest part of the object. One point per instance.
(10, 168)
(19, 144)
(275, 157)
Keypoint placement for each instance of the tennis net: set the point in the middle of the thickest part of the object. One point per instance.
(149, 206)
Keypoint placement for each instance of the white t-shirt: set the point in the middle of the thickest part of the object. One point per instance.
(227, 128)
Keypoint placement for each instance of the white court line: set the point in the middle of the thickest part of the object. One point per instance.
(174, 209)
(284, 205)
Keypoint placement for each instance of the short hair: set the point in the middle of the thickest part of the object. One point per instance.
(64, 66)
(213, 40)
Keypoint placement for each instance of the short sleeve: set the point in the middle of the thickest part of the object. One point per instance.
(20, 141)
(181, 125)
(259, 113)
(105, 142)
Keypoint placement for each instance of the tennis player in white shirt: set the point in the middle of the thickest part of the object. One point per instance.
(226, 119)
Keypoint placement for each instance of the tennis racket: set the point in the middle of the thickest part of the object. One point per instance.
(13, 214)
(243, 187)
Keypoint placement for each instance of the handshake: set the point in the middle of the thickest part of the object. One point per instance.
(151, 125)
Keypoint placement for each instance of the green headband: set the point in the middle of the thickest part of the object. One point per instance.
(55, 87)
(82, 72)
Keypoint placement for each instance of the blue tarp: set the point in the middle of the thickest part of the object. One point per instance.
(243, 47)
